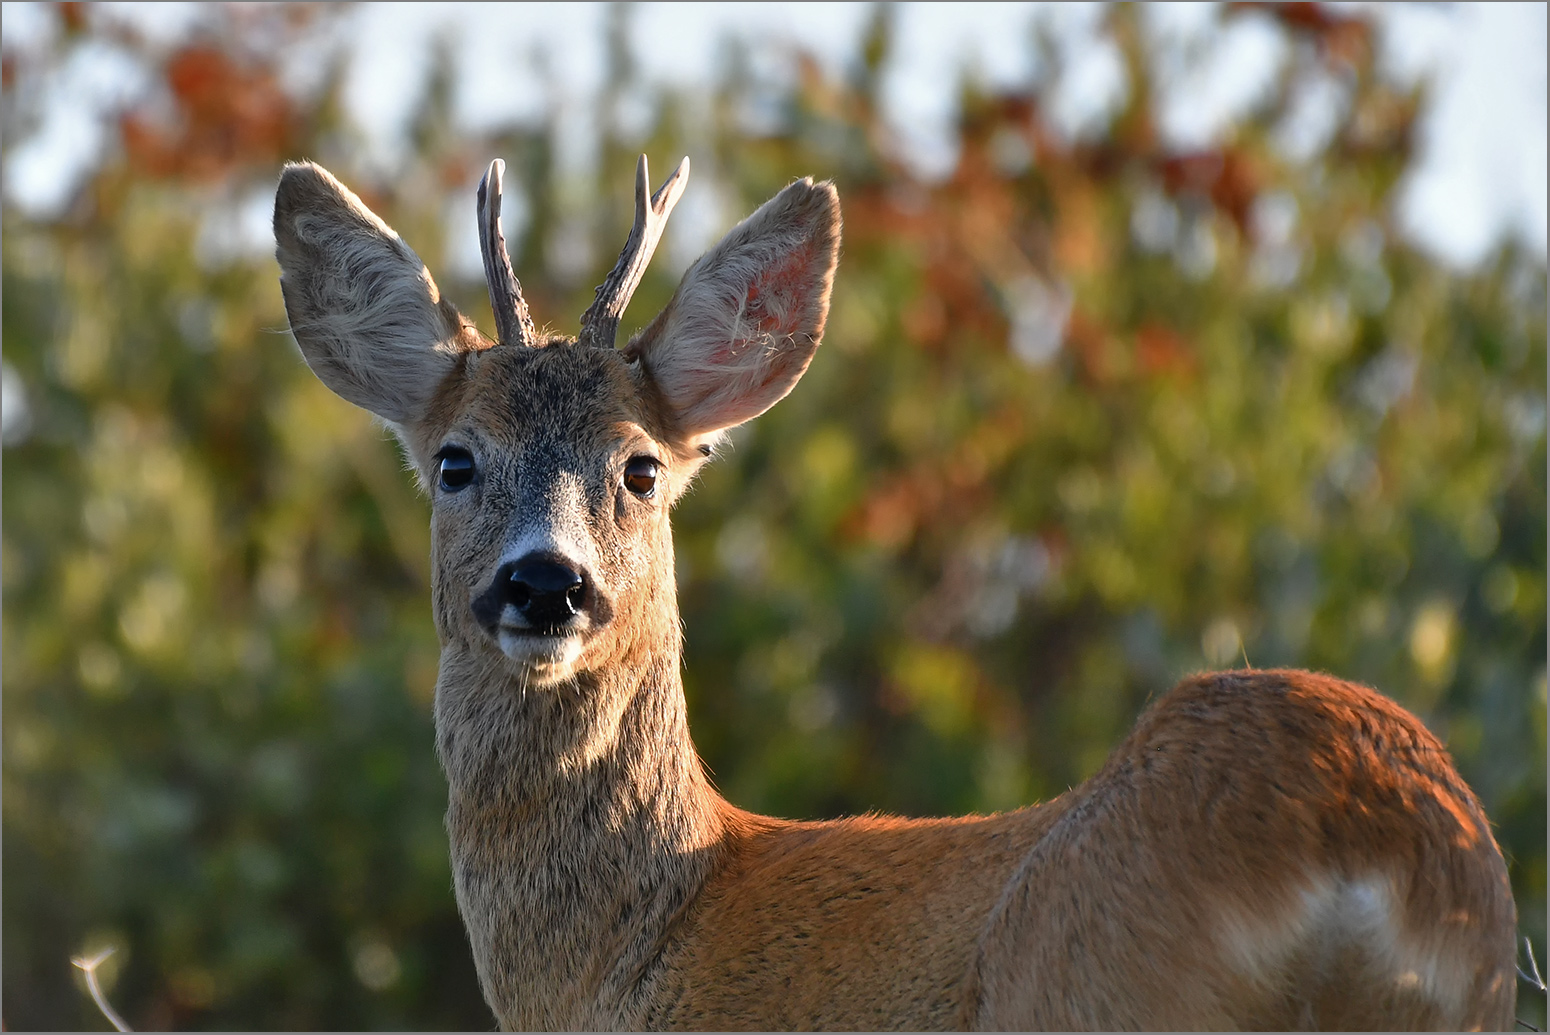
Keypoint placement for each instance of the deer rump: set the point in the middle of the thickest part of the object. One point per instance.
(1271, 849)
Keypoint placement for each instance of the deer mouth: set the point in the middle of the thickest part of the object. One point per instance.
(542, 652)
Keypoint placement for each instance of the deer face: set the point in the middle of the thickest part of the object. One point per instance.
(551, 467)
(551, 471)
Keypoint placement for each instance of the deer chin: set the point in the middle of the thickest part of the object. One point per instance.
(543, 658)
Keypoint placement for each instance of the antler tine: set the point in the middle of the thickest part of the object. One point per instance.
(513, 323)
(600, 323)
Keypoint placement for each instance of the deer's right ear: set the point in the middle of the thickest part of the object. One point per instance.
(367, 315)
(746, 320)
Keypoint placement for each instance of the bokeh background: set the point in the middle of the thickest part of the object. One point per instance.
(1162, 340)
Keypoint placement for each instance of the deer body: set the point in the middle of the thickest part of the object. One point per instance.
(1267, 848)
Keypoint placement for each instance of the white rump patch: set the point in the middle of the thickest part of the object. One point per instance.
(1329, 915)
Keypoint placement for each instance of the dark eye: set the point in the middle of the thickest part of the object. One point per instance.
(640, 476)
(457, 468)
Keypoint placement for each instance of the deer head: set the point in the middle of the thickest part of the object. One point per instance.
(551, 462)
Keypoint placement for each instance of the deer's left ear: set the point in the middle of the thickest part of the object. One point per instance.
(747, 318)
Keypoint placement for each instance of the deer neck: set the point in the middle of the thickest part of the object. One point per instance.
(581, 824)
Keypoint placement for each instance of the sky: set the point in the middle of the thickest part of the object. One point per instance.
(1480, 175)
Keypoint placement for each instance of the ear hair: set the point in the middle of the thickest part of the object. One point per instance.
(747, 318)
(370, 321)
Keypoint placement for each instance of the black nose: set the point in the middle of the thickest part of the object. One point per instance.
(545, 592)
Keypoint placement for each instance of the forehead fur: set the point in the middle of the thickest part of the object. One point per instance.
(561, 390)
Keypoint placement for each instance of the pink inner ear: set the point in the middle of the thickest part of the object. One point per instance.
(772, 304)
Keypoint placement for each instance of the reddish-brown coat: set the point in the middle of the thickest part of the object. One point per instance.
(1237, 798)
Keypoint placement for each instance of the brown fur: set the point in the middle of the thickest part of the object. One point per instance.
(1266, 849)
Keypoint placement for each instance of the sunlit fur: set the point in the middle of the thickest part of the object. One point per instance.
(746, 321)
(369, 318)
(1266, 849)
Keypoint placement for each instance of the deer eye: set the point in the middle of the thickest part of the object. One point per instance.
(457, 468)
(640, 476)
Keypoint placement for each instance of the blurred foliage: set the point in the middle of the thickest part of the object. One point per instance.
(1091, 414)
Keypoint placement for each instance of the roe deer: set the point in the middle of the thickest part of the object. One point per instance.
(1270, 849)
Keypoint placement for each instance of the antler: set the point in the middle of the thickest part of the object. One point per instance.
(600, 323)
(513, 323)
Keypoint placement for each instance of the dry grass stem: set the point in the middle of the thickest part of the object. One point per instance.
(89, 967)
